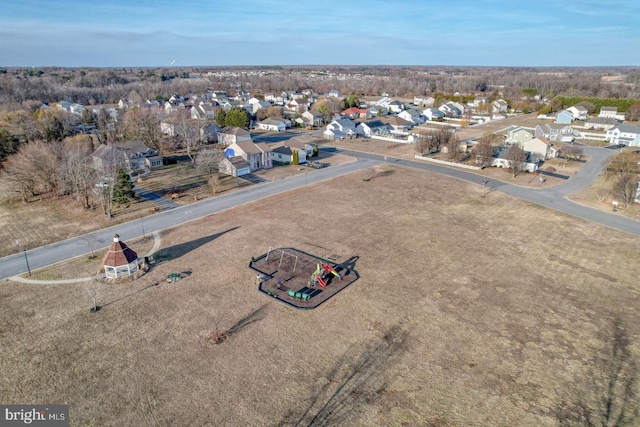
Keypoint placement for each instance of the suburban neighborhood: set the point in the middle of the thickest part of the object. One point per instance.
(193, 256)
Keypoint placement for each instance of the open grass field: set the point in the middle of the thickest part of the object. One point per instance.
(469, 311)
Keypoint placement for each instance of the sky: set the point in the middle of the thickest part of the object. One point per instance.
(132, 33)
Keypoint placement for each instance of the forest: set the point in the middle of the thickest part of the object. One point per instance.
(20, 87)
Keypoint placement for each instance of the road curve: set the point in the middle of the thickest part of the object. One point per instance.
(553, 198)
(60, 251)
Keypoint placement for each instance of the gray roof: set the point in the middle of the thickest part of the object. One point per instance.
(602, 121)
(628, 128)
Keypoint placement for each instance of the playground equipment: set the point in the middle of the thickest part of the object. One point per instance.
(300, 295)
(331, 270)
(317, 278)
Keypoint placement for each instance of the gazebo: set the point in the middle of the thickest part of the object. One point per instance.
(120, 260)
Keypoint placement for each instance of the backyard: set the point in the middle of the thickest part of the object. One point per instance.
(469, 310)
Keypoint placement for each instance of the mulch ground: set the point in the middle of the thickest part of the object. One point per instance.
(286, 275)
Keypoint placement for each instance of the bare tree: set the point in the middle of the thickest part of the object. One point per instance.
(208, 160)
(516, 159)
(484, 150)
(454, 153)
(109, 129)
(187, 133)
(623, 169)
(571, 152)
(143, 125)
(78, 174)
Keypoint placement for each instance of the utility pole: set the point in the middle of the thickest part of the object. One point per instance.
(24, 250)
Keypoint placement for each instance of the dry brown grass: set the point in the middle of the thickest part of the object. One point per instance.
(469, 311)
(41, 222)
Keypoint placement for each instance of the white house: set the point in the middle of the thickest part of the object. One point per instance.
(411, 115)
(433, 114)
(500, 106)
(608, 112)
(274, 124)
(601, 123)
(421, 101)
(578, 112)
(345, 126)
(624, 134)
(500, 160)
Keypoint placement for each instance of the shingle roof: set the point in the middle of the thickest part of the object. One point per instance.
(233, 130)
(119, 254)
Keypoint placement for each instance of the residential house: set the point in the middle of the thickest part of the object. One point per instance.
(377, 111)
(413, 116)
(341, 128)
(452, 109)
(601, 123)
(564, 117)
(220, 97)
(209, 133)
(230, 135)
(374, 127)
(424, 102)
(355, 113)
(234, 166)
(129, 155)
(500, 106)
(624, 134)
(302, 143)
(433, 114)
(283, 153)
(207, 110)
(500, 160)
(541, 147)
(556, 132)
(518, 135)
(398, 124)
(395, 106)
(578, 112)
(478, 100)
(274, 124)
(297, 105)
(313, 118)
(254, 105)
(124, 103)
(334, 93)
(259, 156)
(608, 112)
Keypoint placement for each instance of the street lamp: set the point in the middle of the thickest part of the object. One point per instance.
(24, 250)
(142, 223)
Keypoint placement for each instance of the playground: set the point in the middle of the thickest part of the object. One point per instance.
(300, 279)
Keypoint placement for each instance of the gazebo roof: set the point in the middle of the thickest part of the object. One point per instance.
(119, 254)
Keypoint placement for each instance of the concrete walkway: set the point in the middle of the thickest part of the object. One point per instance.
(154, 249)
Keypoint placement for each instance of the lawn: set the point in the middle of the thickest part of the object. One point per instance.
(469, 310)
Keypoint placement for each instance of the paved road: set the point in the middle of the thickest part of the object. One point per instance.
(552, 197)
(60, 251)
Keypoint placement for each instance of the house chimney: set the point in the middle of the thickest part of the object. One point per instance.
(116, 238)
